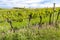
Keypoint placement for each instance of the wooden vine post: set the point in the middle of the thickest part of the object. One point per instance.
(54, 12)
(54, 7)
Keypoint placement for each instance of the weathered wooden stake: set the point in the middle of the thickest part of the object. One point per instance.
(53, 12)
(54, 7)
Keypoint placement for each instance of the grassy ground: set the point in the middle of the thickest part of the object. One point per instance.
(32, 33)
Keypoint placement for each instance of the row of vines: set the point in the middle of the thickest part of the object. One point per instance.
(17, 18)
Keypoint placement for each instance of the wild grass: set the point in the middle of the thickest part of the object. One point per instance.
(32, 33)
